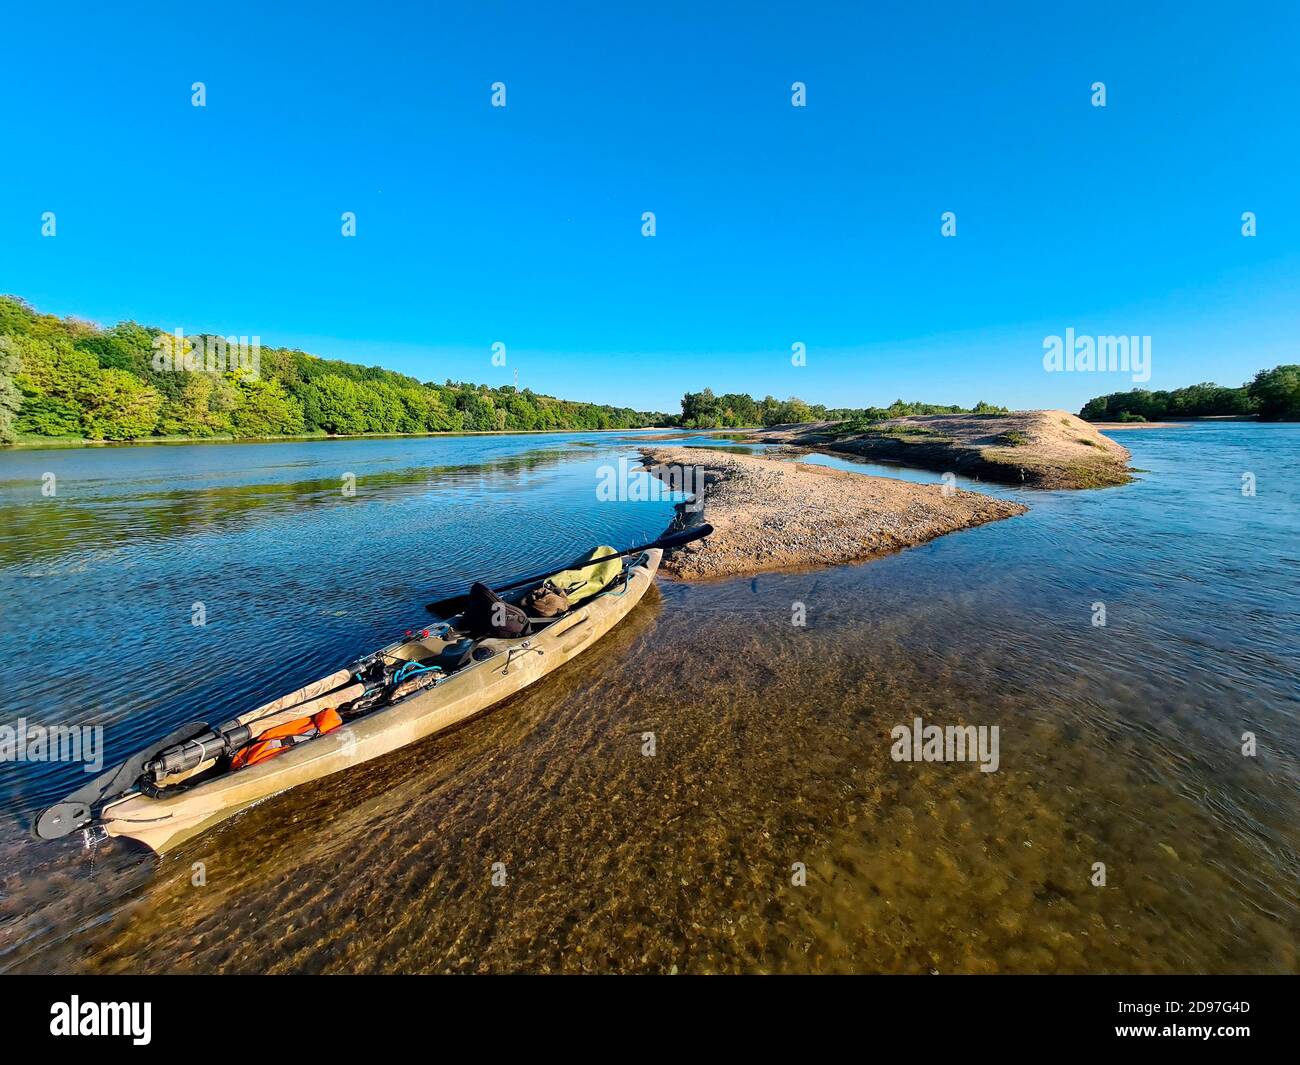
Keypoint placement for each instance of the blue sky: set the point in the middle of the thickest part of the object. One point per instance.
(775, 224)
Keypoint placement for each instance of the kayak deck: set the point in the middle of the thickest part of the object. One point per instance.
(174, 814)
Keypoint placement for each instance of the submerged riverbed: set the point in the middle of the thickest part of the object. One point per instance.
(1119, 744)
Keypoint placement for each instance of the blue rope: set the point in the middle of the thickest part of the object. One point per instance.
(626, 581)
(412, 669)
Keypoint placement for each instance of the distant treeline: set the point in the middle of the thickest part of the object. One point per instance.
(66, 378)
(1273, 395)
(704, 410)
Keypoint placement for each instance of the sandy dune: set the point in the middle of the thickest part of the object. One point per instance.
(1039, 448)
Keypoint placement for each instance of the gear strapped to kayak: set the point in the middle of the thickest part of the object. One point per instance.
(577, 585)
(279, 739)
(491, 647)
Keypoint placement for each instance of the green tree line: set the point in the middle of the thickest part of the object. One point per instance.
(66, 378)
(704, 410)
(1273, 395)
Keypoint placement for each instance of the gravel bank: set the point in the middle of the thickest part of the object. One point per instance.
(771, 514)
(1035, 448)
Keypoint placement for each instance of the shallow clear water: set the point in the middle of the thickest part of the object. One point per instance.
(1118, 744)
(294, 574)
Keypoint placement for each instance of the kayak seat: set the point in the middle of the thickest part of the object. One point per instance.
(489, 615)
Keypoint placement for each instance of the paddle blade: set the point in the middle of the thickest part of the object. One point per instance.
(448, 608)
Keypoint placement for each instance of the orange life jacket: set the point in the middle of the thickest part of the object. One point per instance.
(282, 737)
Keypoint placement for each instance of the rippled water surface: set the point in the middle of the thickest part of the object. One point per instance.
(1119, 744)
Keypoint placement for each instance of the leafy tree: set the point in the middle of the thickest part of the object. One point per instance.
(53, 367)
(413, 406)
(284, 366)
(381, 406)
(333, 403)
(478, 410)
(704, 410)
(16, 317)
(11, 396)
(521, 413)
(116, 405)
(1194, 401)
(49, 416)
(127, 346)
(1205, 399)
(203, 407)
(440, 415)
(67, 372)
(794, 409)
(701, 410)
(51, 377)
(1276, 392)
(266, 409)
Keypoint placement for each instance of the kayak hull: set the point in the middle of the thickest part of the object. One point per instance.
(169, 820)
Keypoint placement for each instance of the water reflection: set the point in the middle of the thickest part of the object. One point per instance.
(90, 515)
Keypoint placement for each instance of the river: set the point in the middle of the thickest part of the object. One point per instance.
(1121, 744)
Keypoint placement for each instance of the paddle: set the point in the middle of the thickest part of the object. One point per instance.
(456, 604)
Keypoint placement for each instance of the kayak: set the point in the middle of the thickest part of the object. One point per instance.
(410, 689)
